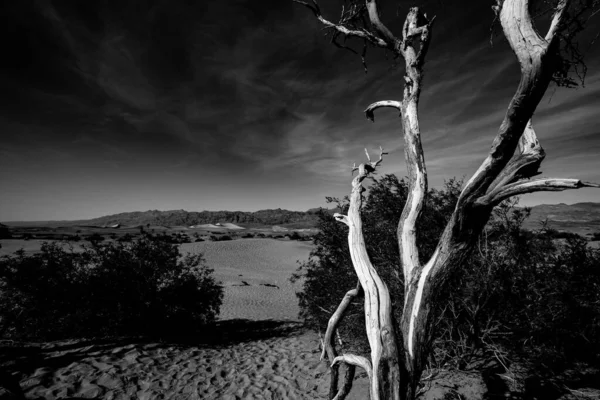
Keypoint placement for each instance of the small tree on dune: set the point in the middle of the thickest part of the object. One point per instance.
(398, 351)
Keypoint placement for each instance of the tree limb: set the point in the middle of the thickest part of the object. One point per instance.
(523, 165)
(557, 20)
(416, 33)
(360, 33)
(370, 111)
(358, 361)
(329, 343)
(341, 218)
(334, 320)
(382, 30)
(385, 375)
(347, 383)
(539, 185)
(537, 58)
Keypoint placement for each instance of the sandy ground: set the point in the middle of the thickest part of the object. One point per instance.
(256, 352)
(284, 367)
(256, 276)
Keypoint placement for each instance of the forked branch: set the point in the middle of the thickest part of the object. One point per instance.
(524, 165)
(515, 180)
(537, 56)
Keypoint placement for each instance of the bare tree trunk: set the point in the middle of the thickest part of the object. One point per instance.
(397, 361)
(383, 367)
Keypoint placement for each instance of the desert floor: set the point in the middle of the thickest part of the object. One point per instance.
(256, 276)
(259, 350)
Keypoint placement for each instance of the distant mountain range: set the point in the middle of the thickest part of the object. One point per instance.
(581, 218)
(296, 219)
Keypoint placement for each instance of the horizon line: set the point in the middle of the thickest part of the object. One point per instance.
(239, 211)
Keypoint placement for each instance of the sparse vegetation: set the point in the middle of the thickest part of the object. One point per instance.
(126, 238)
(221, 238)
(95, 238)
(5, 232)
(116, 288)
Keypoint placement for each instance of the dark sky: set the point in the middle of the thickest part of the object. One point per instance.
(113, 106)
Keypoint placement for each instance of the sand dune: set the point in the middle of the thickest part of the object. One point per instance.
(207, 226)
(229, 225)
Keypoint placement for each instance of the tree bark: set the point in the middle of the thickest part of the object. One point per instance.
(383, 367)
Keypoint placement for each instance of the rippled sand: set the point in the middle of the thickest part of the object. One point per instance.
(272, 368)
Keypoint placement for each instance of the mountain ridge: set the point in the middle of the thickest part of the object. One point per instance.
(579, 218)
(186, 218)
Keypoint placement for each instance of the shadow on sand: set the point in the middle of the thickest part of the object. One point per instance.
(20, 359)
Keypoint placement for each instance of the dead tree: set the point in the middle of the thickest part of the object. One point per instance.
(399, 350)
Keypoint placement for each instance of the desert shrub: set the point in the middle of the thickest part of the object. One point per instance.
(523, 291)
(526, 291)
(95, 238)
(5, 232)
(128, 237)
(117, 288)
(295, 236)
(220, 238)
(556, 234)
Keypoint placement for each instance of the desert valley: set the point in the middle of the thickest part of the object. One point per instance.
(257, 349)
(446, 154)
